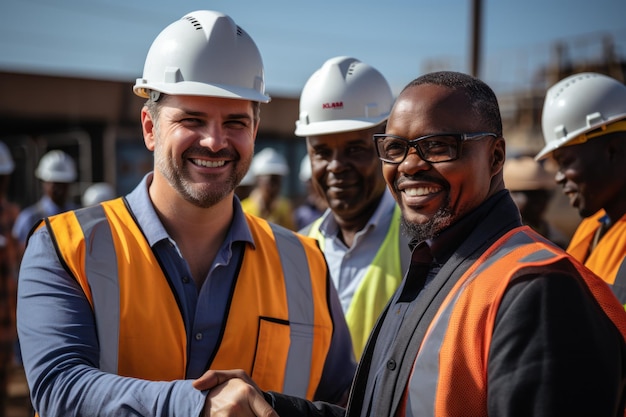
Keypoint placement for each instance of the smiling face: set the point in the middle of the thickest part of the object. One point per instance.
(346, 169)
(203, 146)
(592, 174)
(433, 196)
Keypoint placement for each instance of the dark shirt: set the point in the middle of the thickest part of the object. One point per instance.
(553, 350)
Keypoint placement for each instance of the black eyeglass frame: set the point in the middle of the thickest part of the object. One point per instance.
(414, 143)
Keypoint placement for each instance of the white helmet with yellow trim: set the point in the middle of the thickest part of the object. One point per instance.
(580, 107)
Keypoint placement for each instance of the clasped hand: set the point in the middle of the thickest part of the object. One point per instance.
(232, 393)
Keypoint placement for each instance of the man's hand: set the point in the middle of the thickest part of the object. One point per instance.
(211, 379)
(232, 393)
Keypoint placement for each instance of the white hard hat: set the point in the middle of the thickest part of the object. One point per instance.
(305, 169)
(204, 54)
(579, 104)
(97, 193)
(524, 174)
(56, 166)
(6, 160)
(345, 94)
(269, 162)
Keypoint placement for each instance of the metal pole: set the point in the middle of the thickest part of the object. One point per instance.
(476, 37)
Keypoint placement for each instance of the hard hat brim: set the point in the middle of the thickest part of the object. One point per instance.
(556, 144)
(337, 126)
(191, 88)
(549, 148)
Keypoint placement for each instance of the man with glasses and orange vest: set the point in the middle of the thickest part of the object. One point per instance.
(122, 304)
(491, 319)
(584, 128)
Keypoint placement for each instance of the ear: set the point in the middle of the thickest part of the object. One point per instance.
(147, 125)
(498, 155)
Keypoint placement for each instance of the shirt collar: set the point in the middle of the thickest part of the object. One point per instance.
(149, 222)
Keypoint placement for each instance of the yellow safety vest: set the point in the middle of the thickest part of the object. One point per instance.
(379, 283)
(278, 327)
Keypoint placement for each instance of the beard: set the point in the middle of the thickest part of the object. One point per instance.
(424, 231)
(205, 193)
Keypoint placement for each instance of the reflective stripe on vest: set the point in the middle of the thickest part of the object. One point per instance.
(449, 376)
(290, 358)
(298, 369)
(379, 283)
(101, 272)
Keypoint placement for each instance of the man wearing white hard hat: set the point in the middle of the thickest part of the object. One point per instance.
(342, 105)
(123, 304)
(57, 171)
(265, 200)
(584, 129)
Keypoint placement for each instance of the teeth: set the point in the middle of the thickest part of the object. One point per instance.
(415, 192)
(210, 164)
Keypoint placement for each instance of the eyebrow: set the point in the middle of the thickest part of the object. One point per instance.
(239, 116)
(232, 116)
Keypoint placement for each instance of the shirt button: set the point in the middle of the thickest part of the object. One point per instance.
(186, 279)
(198, 336)
(391, 364)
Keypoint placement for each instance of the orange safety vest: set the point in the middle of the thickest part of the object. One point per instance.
(449, 377)
(278, 328)
(608, 255)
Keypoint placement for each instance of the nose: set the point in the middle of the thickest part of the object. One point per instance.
(213, 138)
(559, 177)
(413, 162)
(336, 163)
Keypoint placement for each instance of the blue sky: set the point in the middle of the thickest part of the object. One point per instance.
(108, 39)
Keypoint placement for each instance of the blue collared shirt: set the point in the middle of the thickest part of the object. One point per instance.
(59, 341)
(31, 214)
(348, 265)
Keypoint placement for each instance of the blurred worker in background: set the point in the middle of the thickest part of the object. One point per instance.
(97, 193)
(8, 274)
(342, 105)
(266, 200)
(314, 203)
(122, 304)
(57, 172)
(532, 187)
(584, 129)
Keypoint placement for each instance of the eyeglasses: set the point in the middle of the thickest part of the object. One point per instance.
(439, 147)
